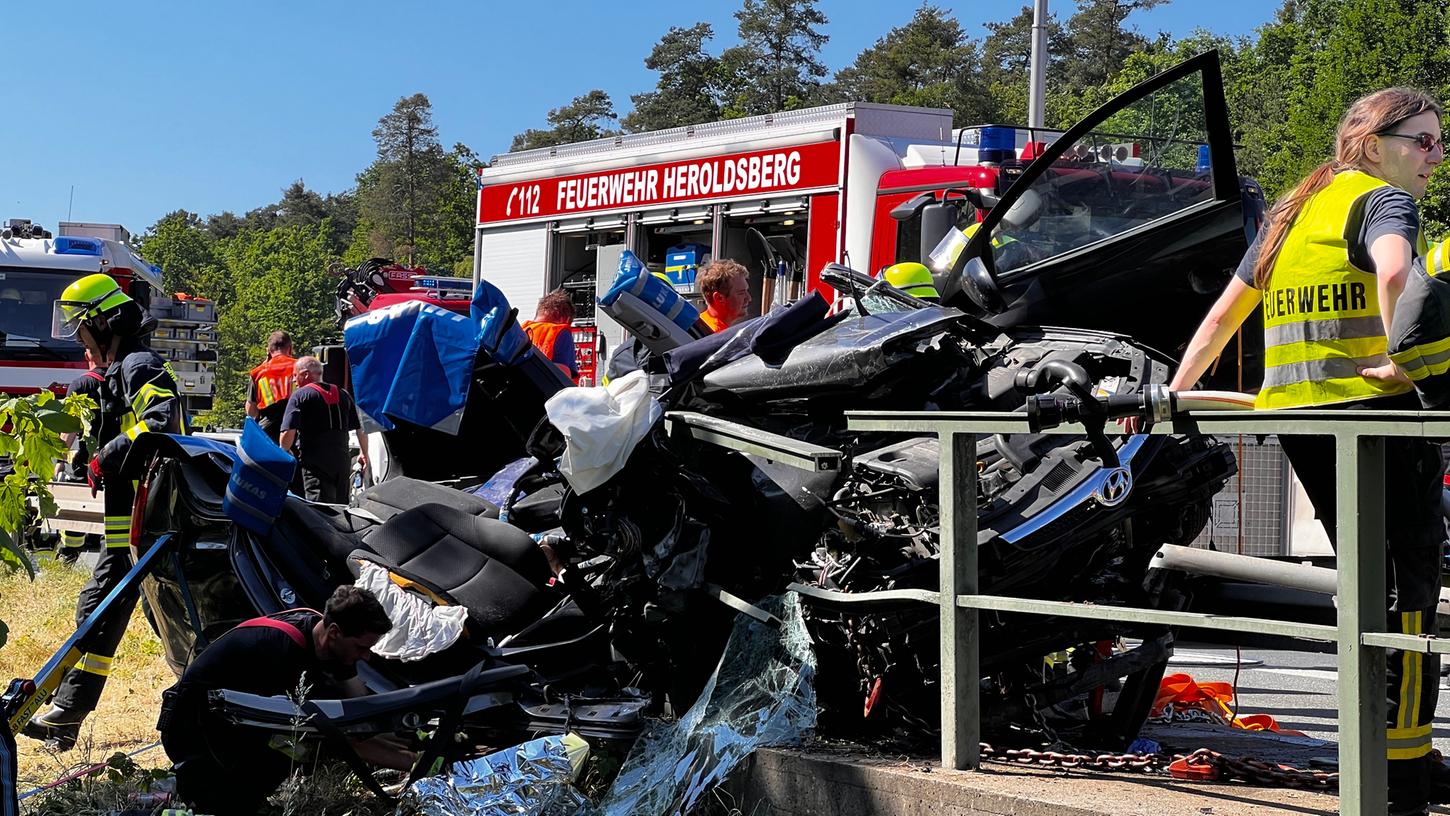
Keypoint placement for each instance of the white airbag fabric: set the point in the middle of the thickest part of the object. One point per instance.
(601, 426)
(419, 627)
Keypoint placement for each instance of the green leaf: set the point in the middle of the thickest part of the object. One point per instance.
(58, 421)
(13, 557)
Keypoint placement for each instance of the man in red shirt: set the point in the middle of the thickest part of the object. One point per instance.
(726, 288)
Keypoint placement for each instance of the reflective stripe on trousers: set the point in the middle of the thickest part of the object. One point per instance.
(95, 664)
(118, 531)
(1408, 735)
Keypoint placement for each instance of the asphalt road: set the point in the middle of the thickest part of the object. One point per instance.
(1296, 688)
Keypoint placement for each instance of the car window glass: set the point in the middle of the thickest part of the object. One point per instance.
(1146, 162)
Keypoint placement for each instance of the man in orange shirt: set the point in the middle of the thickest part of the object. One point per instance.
(725, 286)
(552, 331)
(272, 385)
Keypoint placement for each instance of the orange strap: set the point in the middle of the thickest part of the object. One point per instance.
(1182, 692)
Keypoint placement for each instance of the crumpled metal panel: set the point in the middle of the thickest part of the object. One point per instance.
(532, 779)
(762, 694)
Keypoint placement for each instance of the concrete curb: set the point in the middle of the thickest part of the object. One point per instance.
(839, 782)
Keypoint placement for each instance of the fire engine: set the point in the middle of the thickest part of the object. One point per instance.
(869, 185)
(36, 266)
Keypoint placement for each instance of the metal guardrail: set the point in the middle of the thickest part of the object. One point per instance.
(732, 435)
(1359, 632)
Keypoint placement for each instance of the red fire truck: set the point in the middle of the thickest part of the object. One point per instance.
(1106, 221)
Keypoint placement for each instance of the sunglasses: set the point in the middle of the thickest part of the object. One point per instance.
(1426, 141)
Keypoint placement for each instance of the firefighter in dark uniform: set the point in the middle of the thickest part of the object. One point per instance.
(74, 470)
(318, 418)
(138, 395)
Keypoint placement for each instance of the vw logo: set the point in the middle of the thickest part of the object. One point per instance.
(1115, 487)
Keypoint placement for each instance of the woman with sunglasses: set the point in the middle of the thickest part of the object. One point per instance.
(1326, 271)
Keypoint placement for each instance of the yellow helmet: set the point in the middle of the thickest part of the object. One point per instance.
(85, 299)
(912, 278)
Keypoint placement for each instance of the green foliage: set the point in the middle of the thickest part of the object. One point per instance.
(112, 787)
(1319, 56)
(1006, 55)
(32, 443)
(1099, 40)
(409, 200)
(777, 64)
(929, 62)
(688, 89)
(586, 117)
(280, 281)
(180, 245)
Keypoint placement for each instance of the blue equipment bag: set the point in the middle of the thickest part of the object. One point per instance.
(260, 475)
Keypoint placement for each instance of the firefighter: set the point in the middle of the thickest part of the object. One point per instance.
(74, 469)
(318, 418)
(224, 768)
(551, 331)
(272, 385)
(725, 286)
(138, 395)
(914, 279)
(1327, 271)
(1420, 335)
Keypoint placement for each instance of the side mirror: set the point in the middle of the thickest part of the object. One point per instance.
(981, 287)
(907, 210)
(936, 221)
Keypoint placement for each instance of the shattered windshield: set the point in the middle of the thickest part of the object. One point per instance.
(26, 298)
(1145, 162)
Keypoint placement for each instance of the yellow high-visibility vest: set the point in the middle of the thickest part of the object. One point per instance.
(1322, 319)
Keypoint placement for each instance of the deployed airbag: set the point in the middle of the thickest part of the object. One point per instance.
(601, 426)
(419, 627)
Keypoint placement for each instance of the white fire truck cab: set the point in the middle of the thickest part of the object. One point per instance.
(36, 266)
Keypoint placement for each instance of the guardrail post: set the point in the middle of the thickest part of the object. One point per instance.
(961, 675)
(1360, 522)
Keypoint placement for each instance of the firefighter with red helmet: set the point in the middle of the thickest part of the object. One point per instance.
(138, 395)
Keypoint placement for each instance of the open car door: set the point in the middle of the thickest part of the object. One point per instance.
(1132, 221)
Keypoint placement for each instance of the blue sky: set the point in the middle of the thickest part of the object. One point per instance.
(148, 107)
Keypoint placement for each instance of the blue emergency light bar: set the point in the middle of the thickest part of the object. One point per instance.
(443, 284)
(71, 245)
(994, 143)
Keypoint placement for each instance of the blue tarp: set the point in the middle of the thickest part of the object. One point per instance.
(413, 362)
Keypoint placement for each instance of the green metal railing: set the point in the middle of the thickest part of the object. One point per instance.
(1359, 633)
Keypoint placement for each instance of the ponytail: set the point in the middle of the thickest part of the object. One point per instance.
(1282, 216)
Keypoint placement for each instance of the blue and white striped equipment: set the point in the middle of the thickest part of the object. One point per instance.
(649, 307)
(261, 471)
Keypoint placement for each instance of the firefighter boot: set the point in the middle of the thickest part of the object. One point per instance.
(1439, 774)
(58, 728)
(1409, 786)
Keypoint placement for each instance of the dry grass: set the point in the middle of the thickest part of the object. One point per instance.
(41, 615)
